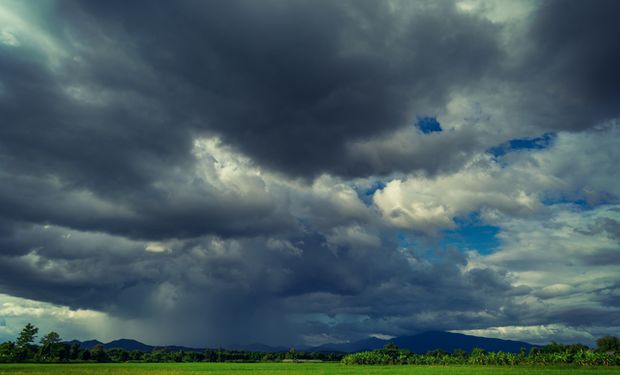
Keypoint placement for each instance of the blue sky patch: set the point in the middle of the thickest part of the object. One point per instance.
(472, 234)
(365, 194)
(482, 238)
(428, 125)
(537, 143)
(579, 200)
(377, 185)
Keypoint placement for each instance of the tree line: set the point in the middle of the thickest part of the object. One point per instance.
(51, 348)
(607, 353)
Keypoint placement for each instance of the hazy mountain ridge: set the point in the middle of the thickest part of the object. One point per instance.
(130, 344)
(431, 340)
(420, 343)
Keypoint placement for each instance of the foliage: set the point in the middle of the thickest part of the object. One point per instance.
(52, 349)
(608, 344)
(26, 336)
(552, 354)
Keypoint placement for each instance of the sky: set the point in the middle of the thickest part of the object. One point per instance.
(211, 173)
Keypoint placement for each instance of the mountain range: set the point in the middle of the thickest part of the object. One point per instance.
(432, 340)
(420, 343)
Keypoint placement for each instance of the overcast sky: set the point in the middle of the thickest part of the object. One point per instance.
(301, 172)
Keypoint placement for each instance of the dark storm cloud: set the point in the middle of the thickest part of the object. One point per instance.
(573, 63)
(289, 83)
(414, 299)
(101, 117)
(183, 211)
(240, 290)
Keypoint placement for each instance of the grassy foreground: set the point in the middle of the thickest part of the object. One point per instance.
(284, 369)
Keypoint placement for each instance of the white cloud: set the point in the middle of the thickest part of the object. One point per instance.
(20, 19)
(70, 323)
(156, 247)
(559, 254)
(9, 38)
(354, 237)
(576, 166)
(430, 204)
(284, 246)
(541, 334)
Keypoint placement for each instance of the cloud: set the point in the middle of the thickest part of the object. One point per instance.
(573, 60)
(256, 169)
(517, 184)
(15, 313)
(542, 334)
(286, 79)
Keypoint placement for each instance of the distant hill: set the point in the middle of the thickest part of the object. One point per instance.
(420, 343)
(427, 341)
(370, 343)
(129, 345)
(85, 344)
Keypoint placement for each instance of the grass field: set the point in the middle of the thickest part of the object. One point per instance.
(285, 369)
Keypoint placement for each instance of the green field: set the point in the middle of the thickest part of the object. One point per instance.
(284, 369)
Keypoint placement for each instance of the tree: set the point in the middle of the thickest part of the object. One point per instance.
(24, 345)
(99, 354)
(26, 336)
(608, 344)
(50, 339)
(7, 352)
(74, 352)
(136, 355)
(85, 355)
(118, 355)
(391, 350)
(52, 348)
(291, 354)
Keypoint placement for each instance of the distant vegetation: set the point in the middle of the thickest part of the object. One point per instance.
(606, 354)
(51, 349)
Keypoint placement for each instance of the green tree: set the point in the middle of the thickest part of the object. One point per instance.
(51, 339)
(608, 344)
(99, 354)
(74, 352)
(136, 355)
(24, 345)
(7, 352)
(291, 354)
(85, 355)
(26, 336)
(118, 355)
(51, 347)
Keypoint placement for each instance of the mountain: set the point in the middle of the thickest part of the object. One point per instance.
(420, 343)
(449, 342)
(85, 344)
(370, 343)
(427, 341)
(129, 345)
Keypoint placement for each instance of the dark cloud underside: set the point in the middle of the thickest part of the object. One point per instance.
(192, 161)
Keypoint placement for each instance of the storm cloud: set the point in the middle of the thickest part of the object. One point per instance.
(236, 172)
